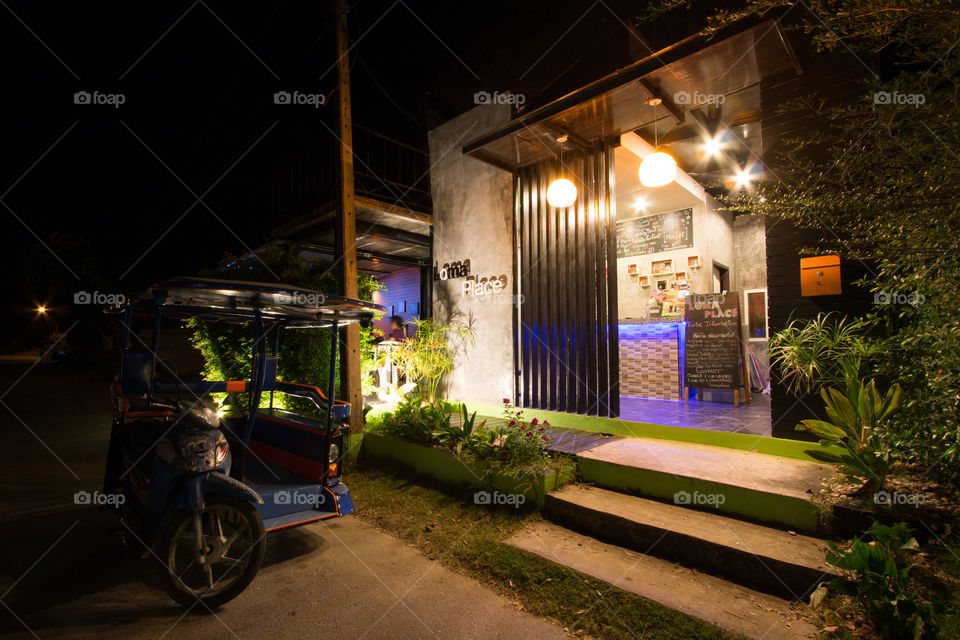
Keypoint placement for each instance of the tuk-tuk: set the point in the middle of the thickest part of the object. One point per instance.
(200, 488)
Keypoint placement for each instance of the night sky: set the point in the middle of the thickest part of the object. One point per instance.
(110, 198)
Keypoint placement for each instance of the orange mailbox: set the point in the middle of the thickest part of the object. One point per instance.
(820, 276)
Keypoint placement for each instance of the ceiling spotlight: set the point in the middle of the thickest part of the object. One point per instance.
(742, 178)
(713, 145)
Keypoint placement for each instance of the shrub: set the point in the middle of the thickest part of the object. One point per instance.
(515, 449)
(823, 352)
(414, 421)
(428, 356)
(856, 421)
(879, 580)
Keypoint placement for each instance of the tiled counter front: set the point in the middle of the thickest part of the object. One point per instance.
(650, 360)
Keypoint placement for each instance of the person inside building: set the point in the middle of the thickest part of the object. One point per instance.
(397, 330)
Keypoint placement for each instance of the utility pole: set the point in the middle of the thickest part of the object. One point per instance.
(346, 244)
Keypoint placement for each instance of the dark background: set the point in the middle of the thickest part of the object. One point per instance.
(106, 199)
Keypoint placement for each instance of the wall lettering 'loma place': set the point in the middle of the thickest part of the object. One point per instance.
(450, 270)
(476, 287)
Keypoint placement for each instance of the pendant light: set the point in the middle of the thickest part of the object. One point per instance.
(562, 192)
(658, 168)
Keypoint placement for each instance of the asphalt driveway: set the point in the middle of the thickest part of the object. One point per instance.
(64, 574)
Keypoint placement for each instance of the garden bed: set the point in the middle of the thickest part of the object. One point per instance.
(441, 464)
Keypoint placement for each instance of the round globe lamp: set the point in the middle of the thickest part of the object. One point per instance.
(561, 193)
(658, 169)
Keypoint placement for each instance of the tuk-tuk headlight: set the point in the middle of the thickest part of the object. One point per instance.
(203, 451)
(334, 454)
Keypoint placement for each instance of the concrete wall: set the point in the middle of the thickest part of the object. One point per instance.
(750, 255)
(712, 240)
(473, 219)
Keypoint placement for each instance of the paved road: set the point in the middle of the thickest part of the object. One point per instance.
(62, 574)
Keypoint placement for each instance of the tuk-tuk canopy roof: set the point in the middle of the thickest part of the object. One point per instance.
(235, 301)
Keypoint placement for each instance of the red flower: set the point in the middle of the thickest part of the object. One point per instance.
(534, 422)
(506, 401)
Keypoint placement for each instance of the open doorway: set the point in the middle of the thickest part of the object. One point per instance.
(721, 278)
(402, 298)
(673, 242)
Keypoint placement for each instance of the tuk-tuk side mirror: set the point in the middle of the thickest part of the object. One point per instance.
(136, 373)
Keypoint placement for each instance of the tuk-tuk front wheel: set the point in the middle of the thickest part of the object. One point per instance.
(212, 556)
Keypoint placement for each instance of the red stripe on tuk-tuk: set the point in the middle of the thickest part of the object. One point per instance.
(305, 467)
(326, 516)
(294, 425)
(236, 386)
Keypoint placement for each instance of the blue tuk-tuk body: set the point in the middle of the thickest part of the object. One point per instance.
(187, 473)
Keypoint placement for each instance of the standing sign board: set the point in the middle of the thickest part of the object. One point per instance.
(713, 357)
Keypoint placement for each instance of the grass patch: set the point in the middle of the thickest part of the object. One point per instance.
(447, 527)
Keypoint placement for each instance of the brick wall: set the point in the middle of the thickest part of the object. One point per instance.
(650, 361)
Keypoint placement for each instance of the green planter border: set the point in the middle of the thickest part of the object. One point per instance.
(782, 447)
(444, 466)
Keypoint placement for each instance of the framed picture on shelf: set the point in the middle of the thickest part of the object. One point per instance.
(660, 267)
(632, 269)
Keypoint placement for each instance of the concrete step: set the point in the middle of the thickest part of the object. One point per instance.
(737, 609)
(779, 562)
(757, 486)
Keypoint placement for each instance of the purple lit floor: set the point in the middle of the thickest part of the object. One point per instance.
(752, 418)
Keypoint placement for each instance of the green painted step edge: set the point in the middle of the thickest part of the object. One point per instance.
(795, 513)
(782, 447)
(446, 467)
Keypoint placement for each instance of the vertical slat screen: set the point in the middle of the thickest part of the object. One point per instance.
(566, 340)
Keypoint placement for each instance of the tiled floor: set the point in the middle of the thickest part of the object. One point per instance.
(753, 418)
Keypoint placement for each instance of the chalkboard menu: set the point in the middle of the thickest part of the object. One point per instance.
(712, 353)
(653, 234)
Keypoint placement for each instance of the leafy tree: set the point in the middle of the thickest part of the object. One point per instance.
(879, 176)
